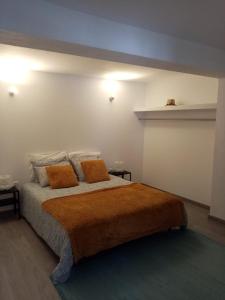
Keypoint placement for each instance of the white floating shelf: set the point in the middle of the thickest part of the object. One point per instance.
(178, 112)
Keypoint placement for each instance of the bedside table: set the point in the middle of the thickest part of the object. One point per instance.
(120, 173)
(12, 199)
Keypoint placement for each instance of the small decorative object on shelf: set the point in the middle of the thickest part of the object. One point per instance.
(171, 102)
(10, 196)
(121, 173)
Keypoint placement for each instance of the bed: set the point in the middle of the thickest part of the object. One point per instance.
(48, 227)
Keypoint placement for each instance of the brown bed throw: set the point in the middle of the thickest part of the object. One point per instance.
(102, 219)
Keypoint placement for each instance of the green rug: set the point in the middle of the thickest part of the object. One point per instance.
(178, 265)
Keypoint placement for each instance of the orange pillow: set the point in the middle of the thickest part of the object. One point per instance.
(94, 170)
(61, 176)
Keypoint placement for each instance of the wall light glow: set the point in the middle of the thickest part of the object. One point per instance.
(15, 70)
(123, 76)
(111, 87)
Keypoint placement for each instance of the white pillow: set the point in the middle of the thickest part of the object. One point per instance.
(42, 175)
(77, 157)
(44, 159)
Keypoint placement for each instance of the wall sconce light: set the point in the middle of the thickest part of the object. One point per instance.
(111, 86)
(13, 91)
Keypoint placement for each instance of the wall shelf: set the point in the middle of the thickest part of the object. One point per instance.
(178, 112)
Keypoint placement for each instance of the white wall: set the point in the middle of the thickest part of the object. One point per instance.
(185, 88)
(218, 191)
(54, 112)
(178, 154)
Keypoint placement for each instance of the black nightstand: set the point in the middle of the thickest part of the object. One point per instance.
(120, 173)
(12, 199)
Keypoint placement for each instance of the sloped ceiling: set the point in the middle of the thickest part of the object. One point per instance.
(201, 21)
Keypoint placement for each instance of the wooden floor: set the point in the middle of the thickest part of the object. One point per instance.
(26, 262)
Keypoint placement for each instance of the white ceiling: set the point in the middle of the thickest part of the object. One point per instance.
(200, 21)
(46, 61)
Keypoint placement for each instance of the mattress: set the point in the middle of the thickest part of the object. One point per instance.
(49, 229)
